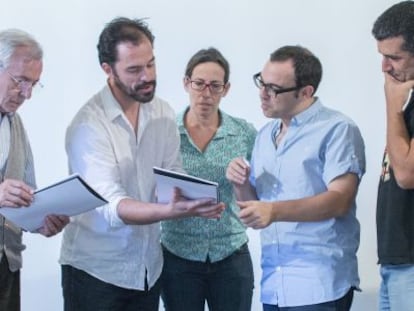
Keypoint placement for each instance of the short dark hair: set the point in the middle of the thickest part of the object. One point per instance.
(121, 29)
(208, 55)
(398, 20)
(308, 68)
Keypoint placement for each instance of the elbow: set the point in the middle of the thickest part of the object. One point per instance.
(343, 209)
(404, 179)
(344, 205)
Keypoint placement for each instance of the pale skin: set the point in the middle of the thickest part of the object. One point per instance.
(16, 193)
(202, 119)
(334, 202)
(398, 68)
(135, 67)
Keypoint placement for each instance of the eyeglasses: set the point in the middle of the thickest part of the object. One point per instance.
(214, 87)
(272, 89)
(24, 85)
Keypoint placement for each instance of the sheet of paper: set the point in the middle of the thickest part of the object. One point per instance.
(70, 196)
(191, 187)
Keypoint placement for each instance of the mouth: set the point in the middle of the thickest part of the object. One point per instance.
(12, 106)
(396, 76)
(145, 87)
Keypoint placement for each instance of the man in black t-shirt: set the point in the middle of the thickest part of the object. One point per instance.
(394, 32)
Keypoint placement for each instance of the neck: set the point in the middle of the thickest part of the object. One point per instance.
(193, 119)
(129, 106)
(301, 106)
(124, 100)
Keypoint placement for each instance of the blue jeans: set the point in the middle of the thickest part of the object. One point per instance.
(341, 304)
(83, 292)
(397, 288)
(226, 285)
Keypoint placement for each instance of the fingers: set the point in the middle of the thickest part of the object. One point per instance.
(242, 204)
(53, 224)
(211, 211)
(15, 193)
(200, 207)
(251, 215)
(238, 171)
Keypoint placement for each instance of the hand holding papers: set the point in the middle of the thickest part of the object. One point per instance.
(191, 187)
(70, 196)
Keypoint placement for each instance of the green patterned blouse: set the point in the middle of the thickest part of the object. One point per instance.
(198, 238)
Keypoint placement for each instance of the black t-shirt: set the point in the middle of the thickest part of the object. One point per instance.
(395, 211)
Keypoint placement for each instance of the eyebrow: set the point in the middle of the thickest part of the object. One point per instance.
(273, 84)
(26, 78)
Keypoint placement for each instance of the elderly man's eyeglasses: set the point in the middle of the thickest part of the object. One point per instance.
(272, 89)
(215, 87)
(24, 85)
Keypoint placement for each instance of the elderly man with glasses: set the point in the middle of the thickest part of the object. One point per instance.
(300, 189)
(20, 69)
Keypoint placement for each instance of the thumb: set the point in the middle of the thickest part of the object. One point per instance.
(242, 204)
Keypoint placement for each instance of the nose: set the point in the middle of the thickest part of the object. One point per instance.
(263, 92)
(207, 90)
(147, 74)
(26, 92)
(386, 65)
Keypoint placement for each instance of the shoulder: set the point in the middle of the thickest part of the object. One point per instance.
(335, 120)
(161, 107)
(17, 119)
(268, 127)
(238, 125)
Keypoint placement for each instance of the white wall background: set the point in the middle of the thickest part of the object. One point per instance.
(246, 31)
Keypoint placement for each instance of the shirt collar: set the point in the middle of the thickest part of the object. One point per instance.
(112, 108)
(9, 115)
(226, 128)
(300, 118)
(308, 113)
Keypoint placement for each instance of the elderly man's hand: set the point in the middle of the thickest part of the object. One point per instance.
(15, 193)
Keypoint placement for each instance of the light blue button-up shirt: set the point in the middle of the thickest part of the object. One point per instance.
(307, 263)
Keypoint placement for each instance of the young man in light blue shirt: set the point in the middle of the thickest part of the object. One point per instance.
(300, 189)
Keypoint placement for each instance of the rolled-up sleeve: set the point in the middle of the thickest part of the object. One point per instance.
(91, 155)
(344, 153)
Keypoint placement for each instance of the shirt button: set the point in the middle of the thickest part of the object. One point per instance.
(278, 268)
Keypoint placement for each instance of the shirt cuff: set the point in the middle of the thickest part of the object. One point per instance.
(113, 217)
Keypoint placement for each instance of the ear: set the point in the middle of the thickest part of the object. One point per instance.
(107, 69)
(186, 83)
(226, 89)
(307, 91)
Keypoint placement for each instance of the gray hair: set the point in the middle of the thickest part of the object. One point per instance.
(11, 39)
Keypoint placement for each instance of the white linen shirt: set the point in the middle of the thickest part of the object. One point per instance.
(103, 148)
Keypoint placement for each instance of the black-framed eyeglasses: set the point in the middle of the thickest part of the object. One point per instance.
(24, 85)
(272, 89)
(199, 85)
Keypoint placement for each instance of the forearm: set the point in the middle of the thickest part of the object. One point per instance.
(139, 213)
(329, 204)
(399, 149)
(244, 193)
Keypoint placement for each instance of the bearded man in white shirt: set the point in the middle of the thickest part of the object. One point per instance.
(111, 257)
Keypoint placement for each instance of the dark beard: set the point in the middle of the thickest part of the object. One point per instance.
(134, 92)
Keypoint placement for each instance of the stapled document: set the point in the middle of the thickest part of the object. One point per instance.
(191, 187)
(70, 196)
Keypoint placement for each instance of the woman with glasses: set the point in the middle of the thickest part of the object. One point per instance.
(207, 260)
